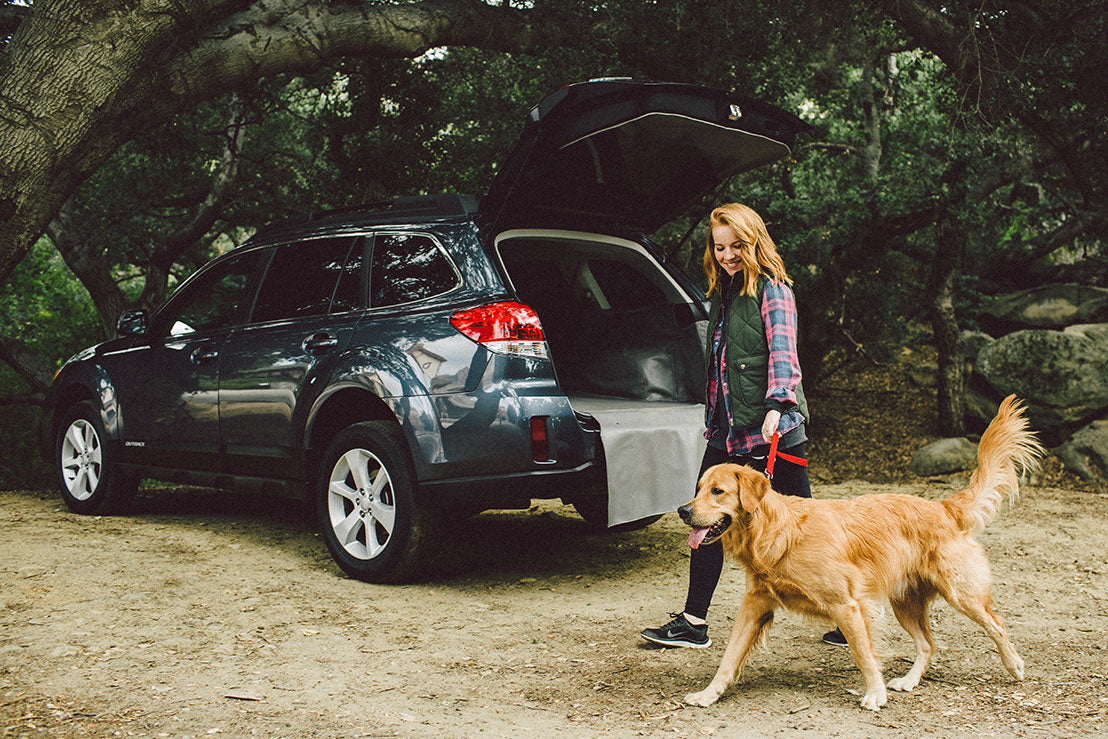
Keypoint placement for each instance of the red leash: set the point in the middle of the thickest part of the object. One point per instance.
(774, 454)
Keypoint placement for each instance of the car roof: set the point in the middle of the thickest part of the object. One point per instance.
(414, 210)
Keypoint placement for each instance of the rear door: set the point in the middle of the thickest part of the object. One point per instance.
(623, 157)
(307, 305)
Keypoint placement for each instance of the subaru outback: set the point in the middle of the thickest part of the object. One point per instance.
(407, 361)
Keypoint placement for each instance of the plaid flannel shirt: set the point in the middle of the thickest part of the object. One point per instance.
(779, 318)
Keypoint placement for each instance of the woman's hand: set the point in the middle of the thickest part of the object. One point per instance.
(769, 426)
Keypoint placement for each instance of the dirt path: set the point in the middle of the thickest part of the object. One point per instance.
(205, 614)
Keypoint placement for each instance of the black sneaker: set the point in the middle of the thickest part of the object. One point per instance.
(679, 633)
(835, 637)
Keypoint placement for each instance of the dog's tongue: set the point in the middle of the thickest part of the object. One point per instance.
(696, 537)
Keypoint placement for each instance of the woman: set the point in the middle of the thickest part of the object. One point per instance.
(753, 391)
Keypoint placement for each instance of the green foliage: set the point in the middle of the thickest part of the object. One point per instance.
(895, 135)
(45, 308)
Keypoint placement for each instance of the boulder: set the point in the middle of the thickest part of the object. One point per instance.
(1046, 307)
(1062, 375)
(1094, 331)
(943, 456)
(980, 406)
(972, 342)
(1086, 453)
(924, 375)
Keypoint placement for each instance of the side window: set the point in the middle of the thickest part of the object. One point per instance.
(408, 267)
(213, 300)
(624, 285)
(301, 279)
(348, 295)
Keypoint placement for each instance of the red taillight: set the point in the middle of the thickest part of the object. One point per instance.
(505, 328)
(540, 444)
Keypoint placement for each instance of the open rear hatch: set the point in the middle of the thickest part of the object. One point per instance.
(598, 165)
(623, 157)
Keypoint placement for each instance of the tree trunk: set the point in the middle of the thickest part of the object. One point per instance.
(944, 325)
(79, 79)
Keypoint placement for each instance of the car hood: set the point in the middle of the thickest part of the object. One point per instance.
(618, 156)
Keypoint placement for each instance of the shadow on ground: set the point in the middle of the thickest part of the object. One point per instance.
(549, 540)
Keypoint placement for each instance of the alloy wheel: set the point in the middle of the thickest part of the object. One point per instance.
(361, 504)
(81, 459)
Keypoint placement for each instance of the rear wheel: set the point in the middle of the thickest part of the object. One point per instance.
(90, 479)
(366, 505)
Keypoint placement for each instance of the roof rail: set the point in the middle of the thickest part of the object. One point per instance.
(443, 205)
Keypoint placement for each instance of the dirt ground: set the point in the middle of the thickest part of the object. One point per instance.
(205, 613)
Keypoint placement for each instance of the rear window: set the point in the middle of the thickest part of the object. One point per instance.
(407, 268)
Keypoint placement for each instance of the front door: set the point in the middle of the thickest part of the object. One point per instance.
(168, 385)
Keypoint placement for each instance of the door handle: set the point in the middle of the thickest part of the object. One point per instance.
(320, 343)
(204, 354)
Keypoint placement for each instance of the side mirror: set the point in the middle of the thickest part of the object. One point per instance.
(132, 323)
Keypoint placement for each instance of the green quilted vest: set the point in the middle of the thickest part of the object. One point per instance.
(747, 358)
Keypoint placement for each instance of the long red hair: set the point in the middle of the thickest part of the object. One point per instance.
(759, 254)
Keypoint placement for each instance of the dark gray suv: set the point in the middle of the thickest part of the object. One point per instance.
(432, 356)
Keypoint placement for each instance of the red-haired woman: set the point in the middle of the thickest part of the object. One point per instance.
(754, 388)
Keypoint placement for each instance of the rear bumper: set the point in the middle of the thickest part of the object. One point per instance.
(515, 490)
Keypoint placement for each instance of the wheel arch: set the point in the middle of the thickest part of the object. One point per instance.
(64, 399)
(334, 413)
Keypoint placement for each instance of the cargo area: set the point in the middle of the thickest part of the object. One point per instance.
(616, 323)
(628, 351)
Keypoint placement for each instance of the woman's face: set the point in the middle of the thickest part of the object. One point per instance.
(727, 247)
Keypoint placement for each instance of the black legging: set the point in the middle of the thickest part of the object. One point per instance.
(706, 562)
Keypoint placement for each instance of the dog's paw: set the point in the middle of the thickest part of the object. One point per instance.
(1016, 668)
(903, 684)
(873, 700)
(703, 699)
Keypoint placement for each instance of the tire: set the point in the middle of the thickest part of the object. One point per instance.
(90, 480)
(594, 509)
(366, 505)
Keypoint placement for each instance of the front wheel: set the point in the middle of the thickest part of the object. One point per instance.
(90, 480)
(367, 508)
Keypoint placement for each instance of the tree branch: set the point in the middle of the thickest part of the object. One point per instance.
(957, 48)
(87, 262)
(26, 363)
(288, 37)
(170, 249)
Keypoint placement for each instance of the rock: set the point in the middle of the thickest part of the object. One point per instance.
(1060, 374)
(943, 456)
(1094, 331)
(1087, 449)
(1047, 307)
(972, 342)
(924, 375)
(980, 406)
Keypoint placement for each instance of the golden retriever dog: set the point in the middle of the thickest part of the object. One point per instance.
(842, 559)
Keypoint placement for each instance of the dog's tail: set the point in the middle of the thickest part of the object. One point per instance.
(1007, 448)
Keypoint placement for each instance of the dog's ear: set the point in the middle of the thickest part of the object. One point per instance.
(752, 488)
